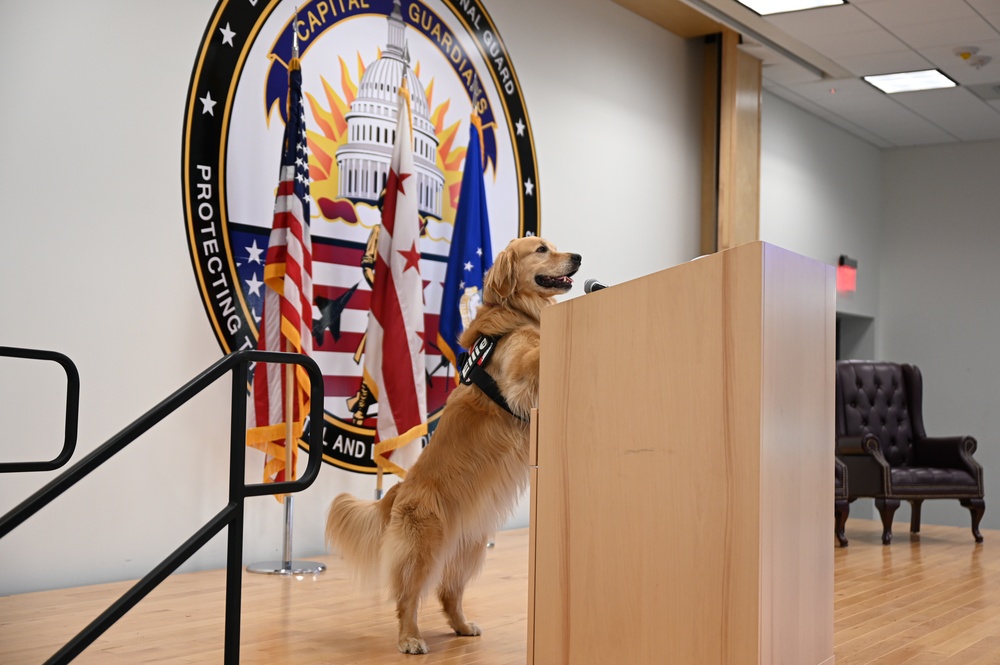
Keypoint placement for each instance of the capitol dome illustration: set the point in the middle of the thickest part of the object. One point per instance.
(371, 127)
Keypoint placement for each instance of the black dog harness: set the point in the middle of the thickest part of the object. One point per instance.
(473, 363)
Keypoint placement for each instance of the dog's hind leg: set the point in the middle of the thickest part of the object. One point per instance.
(464, 565)
(407, 606)
(413, 543)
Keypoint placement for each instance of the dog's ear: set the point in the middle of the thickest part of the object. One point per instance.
(501, 280)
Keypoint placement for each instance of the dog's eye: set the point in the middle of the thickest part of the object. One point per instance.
(542, 249)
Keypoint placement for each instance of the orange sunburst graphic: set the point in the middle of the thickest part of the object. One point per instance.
(330, 119)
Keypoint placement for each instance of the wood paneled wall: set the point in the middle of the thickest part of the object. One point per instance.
(731, 145)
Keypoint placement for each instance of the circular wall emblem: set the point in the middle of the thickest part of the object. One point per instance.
(233, 127)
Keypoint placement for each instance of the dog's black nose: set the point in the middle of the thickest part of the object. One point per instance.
(575, 258)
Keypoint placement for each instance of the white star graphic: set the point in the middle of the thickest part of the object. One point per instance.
(254, 251)
(461, 285)
(468, 266)
(227, 35)
(254, 284)
(479, 251)
(529, 187)
(208, 104)
(520, 127)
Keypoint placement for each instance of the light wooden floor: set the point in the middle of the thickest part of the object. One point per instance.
(932, 600)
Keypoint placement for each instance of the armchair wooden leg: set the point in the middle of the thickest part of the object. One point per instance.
(841, 510)
(977, 507)
(915, 505)
(887, 508)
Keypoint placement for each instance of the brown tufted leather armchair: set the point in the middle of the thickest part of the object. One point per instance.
(841, 503)
(886, 452)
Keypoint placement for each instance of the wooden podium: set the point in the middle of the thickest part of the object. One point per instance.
(682, 498)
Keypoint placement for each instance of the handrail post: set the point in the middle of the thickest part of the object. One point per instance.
(237, 464)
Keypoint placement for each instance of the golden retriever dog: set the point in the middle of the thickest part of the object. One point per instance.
(431, 529)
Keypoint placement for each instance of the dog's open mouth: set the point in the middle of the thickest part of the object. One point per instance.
(562, 283)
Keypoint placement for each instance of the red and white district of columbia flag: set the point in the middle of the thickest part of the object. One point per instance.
(395, 369)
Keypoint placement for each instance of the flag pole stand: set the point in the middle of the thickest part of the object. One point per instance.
(287, 565)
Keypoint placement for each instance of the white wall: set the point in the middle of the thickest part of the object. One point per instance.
(94, 264)
(615, 104)
(821, 195)
(95, 261)
(938, 303)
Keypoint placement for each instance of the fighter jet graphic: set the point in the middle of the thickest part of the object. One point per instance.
(329, 315)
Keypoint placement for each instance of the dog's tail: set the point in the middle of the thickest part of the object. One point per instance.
(354, 527)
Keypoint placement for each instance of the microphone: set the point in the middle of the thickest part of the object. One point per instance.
(592, 285)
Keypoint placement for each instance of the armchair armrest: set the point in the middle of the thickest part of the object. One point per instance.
(868, 469)
(860, 445)
(950, 452)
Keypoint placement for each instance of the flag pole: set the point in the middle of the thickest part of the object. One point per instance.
(379, 470)
(290, 390)
(287, 565)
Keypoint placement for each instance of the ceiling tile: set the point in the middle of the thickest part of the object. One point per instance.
(947, 32)
(788, 73)
(857, 43)
(956, 110)
(895, 13)
(836, 93)
(986, 91)
(906, 60)
(984, 6)
(839, 20)
(874, 111)
(993, 19)
(962, 71)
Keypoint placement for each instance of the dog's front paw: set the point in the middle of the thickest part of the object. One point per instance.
(469, 630)
(412, 645)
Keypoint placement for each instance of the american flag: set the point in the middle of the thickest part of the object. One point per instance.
(286, 320)
(471, 252)
(395, 366)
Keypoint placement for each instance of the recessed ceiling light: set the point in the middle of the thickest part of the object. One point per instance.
(765, 7)
(928, 79)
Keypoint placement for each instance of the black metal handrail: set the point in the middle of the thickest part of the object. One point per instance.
(72, 409)
(231, 515)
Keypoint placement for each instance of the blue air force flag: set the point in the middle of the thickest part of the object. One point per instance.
(471, 254)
